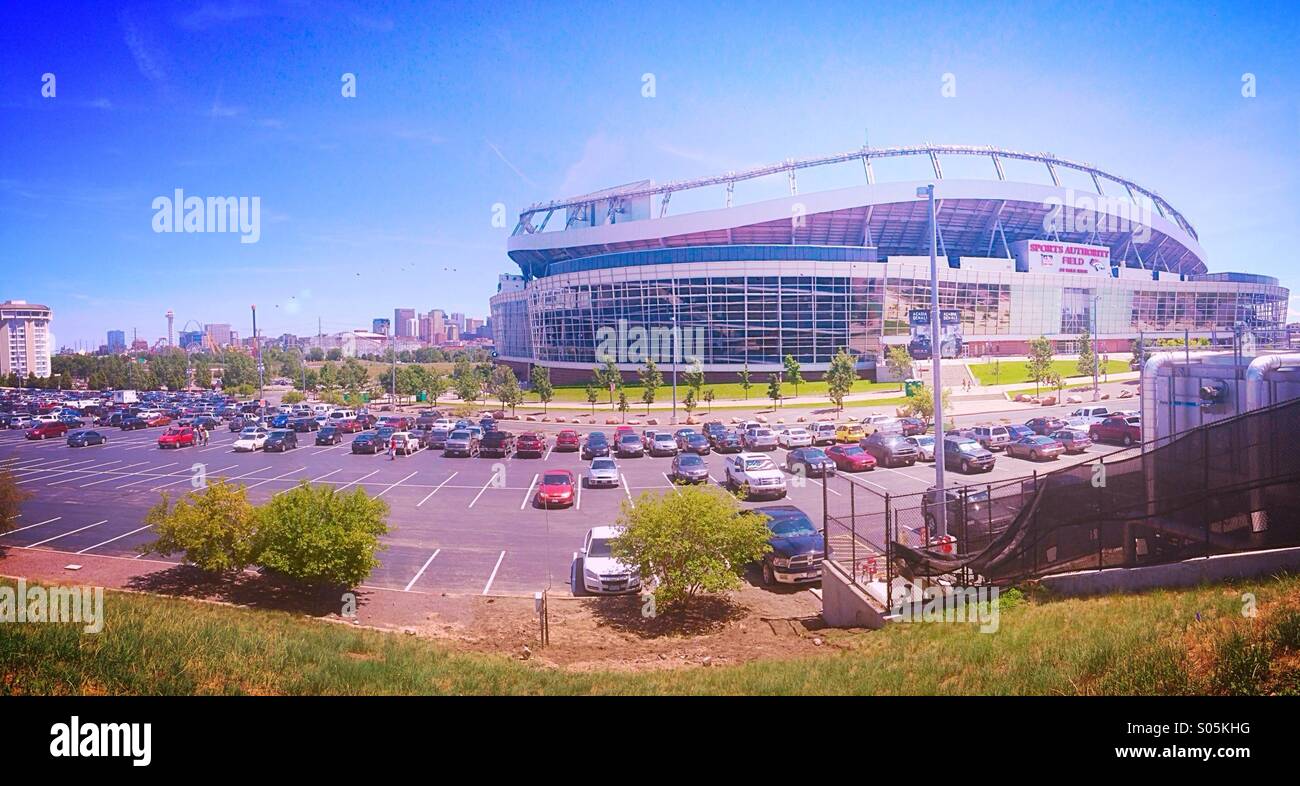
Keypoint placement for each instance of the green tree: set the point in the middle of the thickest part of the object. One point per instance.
(437, 386)
(694, 378)
(708, 398)
(593, 395)
(353, 376)
(745, 384)
(689, 403)
(506, 387)
(315, 354)
(840, 377)
(328, 376)
(321, 536)
(334, 354)
(899, 362)
(920, 404)
(692, 541)
(792, 369)
(468, 384)
(622, 403)
(609, 378)
(651, 381)
(1087, 355)
(214, 528)
(238, 369)
(540, 377)
(1040, 361)
(202, 370)
(774, 389)
(12, 497)
(292, 397)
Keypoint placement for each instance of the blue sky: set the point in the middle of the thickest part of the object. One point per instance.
(386, 199)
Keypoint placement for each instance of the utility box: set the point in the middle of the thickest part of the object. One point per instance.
(911, 386)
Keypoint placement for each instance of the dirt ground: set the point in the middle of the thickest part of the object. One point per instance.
(585, 633)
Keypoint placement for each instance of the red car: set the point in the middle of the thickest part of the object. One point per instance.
(178, 437)
(568, 440)
(556, 488)
(851, 458)
(621, 430)
(532, 444)
(47, 430)
(161, 420)
(1117, 428)
(349, 426)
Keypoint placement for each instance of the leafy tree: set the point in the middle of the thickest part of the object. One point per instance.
(468, 384)
(651, 381)
(321, 536)
(695, 540)
(315, 354)
(774, 389)
(745, 384)
(1087, 355)
(689, 403)
(1040, 361)
(328, 376)
(215, 528)
(506, 387)
(609, 378)
(593, 395)
(437, 386)
(237, 369)
(292, 397)
(920, 404)
(12, 497)
(694, 378)
(202, 370)
(334, 354)
(1057, 381)
(333, 398)
(540, 377)
(622, 404)
(353, 376)
(899, 361)
(840, 377)
(792, 369)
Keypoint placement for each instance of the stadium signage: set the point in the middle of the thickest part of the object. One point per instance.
(1052, 256)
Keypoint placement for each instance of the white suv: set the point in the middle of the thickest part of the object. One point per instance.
(1091, 414)
(754, 475)
(794, 437)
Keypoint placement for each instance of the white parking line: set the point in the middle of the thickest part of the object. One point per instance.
(66, 534)
(277, 477)
(64, 471)
(42, 464)
(529, 494)
(671, 484)
(577, 504)
(313, 480)
(110, 540)
(435, 491)
(485, 488)
(358, 480)
(423, 568)
(100, 472)
(153, 476)
(398, 483)
(548, 453)
(493, 577)
(622, 480)
(183, 479)
(29, 526)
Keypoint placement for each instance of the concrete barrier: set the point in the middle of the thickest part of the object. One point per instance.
(845, 604)
(1188, 573)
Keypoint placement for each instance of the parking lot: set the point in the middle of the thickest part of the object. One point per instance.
(462, 525)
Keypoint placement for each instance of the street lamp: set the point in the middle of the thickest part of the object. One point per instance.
(257, 352)
(936, 356)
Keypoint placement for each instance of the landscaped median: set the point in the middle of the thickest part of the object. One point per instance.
(1197, 641)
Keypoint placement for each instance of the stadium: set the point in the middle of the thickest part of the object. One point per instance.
(806, 274)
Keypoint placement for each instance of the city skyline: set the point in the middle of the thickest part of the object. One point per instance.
(389, 191)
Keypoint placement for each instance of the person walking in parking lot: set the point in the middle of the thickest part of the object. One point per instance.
(392, 448)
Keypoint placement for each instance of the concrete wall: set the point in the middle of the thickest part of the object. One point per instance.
(1188, 573)
(845, 604)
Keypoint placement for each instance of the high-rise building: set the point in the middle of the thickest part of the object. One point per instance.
(404, 324)
(459, 321)
(116, 342)
(380, 326)
(25, 338)
(220, 334)
(191, 339)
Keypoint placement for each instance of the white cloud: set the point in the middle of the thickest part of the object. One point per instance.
(602, 163)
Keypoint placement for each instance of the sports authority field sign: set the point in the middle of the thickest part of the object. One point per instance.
(1051, 256)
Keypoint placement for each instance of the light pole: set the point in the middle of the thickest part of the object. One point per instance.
(936, 355)
(257, 352)
(1096, 302)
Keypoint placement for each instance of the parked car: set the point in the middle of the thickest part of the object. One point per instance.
(404, 443)
(82, 437)
(157, 421)
(1045, 425)
(531, 443)
(567, 441)
(797, 547)
(596, 444)
(303, 425)
(1035, 447)
(1072, 440)
(911, 426)
(349, 426)
(878, 422)
(689, 468)
(753, 475)
(1117, 428)
(47, 430)
(823, 434)
(630, 444)
(713, 429)
(556, 488)
(280, 440)
(794, 437)
(809, 462)
(488, 424)
(1091, 414)
(851, 458)
(991, 437)
(461, 442)
(759, 438)
(977, 500)
(497, 443)
(330, 435)
(367, 443)
(695, 443)
(602, 471)
(966, 454)
(250, 439)
(890, 449)
(20, 421)
(1018, 431)
(133, 423)
(435, 438)
(663, 444)
(596, 571)
(728, 442)
(178, 437)
(924, 444)
(849, 433)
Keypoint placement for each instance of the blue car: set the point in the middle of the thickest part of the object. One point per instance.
(797, 554)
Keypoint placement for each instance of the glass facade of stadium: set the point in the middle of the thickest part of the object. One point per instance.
(756, 304)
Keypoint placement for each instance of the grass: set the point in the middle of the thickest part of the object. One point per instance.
(1011, 372)
(722, 390)
(1192, 641)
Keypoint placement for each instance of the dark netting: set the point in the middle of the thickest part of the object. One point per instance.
(1227, 487)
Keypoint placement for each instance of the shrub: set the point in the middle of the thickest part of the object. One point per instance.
(12, 497)
(214, 528)
(320, 536)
